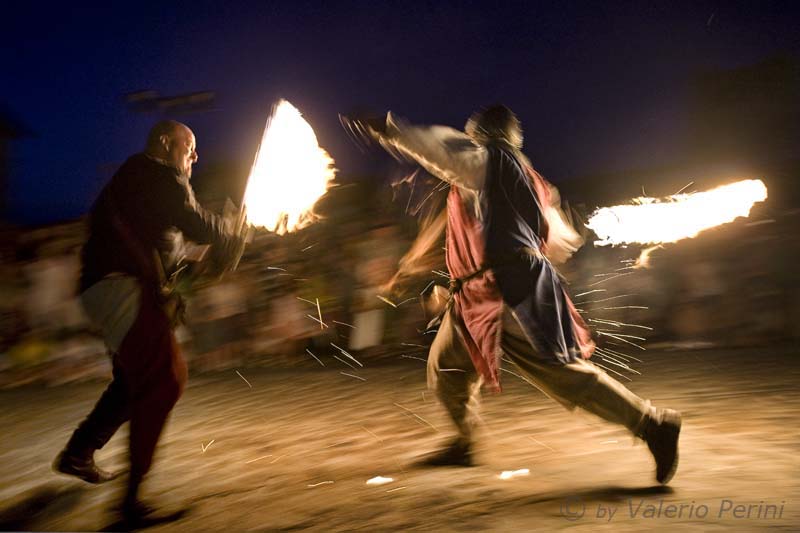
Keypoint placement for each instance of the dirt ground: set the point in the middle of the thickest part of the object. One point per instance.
(293, 450)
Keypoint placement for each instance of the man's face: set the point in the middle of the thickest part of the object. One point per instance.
(183, 151)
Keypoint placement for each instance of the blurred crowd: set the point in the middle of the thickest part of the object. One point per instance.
(303, 298)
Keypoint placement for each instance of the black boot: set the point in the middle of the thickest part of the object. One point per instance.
(457, 453)
(82, 466)
(661, 434)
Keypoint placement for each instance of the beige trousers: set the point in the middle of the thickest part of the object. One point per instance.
(579, 384)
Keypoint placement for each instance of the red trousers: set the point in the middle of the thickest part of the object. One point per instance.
(149, 376)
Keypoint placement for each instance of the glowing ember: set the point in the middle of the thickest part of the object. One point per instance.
(652, 221)
(290, 173)
(379, 480)
(508, 474)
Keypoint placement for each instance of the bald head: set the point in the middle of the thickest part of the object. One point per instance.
(174, 143)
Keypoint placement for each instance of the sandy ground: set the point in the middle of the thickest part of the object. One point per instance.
(295, 452)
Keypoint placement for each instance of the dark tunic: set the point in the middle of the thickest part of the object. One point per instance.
(508, 238)
(150, 200)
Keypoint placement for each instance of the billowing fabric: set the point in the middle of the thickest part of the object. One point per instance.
(507, 236)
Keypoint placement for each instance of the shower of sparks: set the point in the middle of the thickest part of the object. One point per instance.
(290, 173)
(245, 380)
(619, 324)
(603, 299)
(619, 364)
(590, 292)
(622, 335)
(379, 480)
(206, 446)
(353, 376)
(344, 324)
(346, 354)
(618, 338)
(320, 483)
(406, 409)
(613, 371)
(508, 474)
(319, 312)
(618, 354)
(680, 216)
(314, 356)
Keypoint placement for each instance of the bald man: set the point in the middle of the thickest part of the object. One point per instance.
(136, 229)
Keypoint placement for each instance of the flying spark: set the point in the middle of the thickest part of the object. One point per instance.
(320, 483)
(386, 300)
(416, 415)
(353, 376)
(344, 352)
(314, 356)
(245, 380)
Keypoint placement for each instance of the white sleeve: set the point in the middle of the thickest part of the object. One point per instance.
(446, 153)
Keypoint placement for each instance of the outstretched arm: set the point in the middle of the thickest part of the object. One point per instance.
(446, 153)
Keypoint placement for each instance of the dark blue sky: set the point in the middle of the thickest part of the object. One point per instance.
(599, 86)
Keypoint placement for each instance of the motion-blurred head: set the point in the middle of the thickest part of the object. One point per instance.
(495, 124)
(173, 143)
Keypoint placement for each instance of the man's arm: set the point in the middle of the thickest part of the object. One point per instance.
(203, 227)
(196, 223)
(446, 153)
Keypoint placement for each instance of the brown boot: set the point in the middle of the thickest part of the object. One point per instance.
(82, 467)
(661, 434)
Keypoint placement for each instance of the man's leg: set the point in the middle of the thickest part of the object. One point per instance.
(585, 385)
(156, 374)
(452, 374)
(111, 411)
